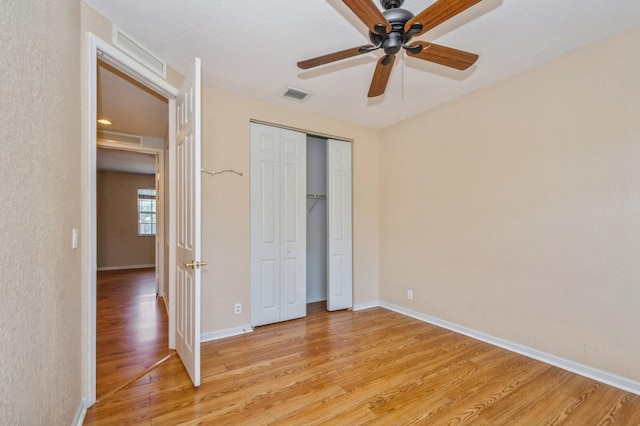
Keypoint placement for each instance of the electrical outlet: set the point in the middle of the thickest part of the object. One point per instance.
(409, 294)
(238, 308)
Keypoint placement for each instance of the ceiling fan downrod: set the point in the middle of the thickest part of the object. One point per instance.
(391, 4)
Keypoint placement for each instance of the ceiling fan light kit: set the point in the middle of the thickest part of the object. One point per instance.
(392, 31)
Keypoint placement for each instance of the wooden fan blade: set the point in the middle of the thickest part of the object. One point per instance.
(332, 57)
(446, 56)
(369, 14)
(438, 12)
(381, 75)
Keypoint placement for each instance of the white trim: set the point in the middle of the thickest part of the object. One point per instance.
(170, 199)
(166, 304)
(122, 62)
(138, 51)
(574, 367)
(120, 268)
(81, 412)
(366, 305)
(120, 138)
(221, 334)
(92, 84)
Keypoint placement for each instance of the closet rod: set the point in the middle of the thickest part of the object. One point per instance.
(315, 197)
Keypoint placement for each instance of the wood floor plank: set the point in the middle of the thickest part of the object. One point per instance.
(367, 367)
(131, 327)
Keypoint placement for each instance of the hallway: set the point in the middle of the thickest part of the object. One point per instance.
(131, 327)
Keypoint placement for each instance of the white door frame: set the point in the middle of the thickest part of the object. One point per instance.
(98, 48)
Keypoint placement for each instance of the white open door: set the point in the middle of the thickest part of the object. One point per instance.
(278, 224)
(187, 224)
(339, 244)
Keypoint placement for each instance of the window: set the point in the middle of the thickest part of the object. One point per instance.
(146, 212)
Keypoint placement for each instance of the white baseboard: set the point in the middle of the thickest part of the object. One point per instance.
(581, 369)
(119, 268)
(221, 334)
(166, 304)
(81, 411)
(366, 305)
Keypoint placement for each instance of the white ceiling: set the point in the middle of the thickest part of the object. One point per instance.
(251, 47)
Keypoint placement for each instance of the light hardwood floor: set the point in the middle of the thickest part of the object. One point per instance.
(131, 327)
(367, 367)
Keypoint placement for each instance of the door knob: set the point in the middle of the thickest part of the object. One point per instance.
(195, 264)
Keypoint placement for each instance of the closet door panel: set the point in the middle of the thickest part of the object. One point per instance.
(278, 224)
(339, 226)
(294, 225)
(269, 281)
(265, 225)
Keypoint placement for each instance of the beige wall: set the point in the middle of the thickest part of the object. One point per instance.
(515, 211)
(40, 363)
(101, 27)
(510, 211)
(119, 244)
(225, 201)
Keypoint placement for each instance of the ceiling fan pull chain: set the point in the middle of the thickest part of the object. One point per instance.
(402, 90)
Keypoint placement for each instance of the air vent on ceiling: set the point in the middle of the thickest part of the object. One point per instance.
(297, 94)
(139, 53)
(106, 136)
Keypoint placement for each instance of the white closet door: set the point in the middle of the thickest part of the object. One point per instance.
(293, 253)
(278, 224)
(339, 226)
(265, 224)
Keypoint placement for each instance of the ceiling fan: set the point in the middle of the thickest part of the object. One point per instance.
(393, 29)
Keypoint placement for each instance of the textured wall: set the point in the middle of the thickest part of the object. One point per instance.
(40, 364)
(515, 210)
(119, 244)
(225, 201)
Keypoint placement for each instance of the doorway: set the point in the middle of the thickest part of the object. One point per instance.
(104, 52)
(131, 318)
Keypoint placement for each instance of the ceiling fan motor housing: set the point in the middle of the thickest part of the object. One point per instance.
(397, 18)
(389, 4)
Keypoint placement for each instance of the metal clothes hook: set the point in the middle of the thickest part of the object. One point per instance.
(221, 171)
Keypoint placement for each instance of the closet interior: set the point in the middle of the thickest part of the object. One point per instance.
(316, 219)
